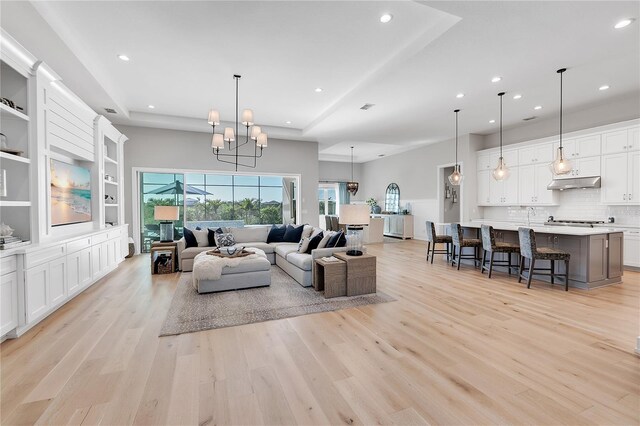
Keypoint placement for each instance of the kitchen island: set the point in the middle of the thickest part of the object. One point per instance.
(596, 253)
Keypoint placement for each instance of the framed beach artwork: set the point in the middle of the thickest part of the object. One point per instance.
(70, 193)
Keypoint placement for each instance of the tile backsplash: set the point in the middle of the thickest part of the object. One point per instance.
(574, 204)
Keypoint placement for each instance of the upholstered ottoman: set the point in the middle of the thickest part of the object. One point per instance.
(247, 272)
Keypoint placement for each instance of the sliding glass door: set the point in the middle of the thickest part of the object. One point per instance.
(159, 189)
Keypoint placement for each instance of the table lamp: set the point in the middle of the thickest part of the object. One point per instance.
(355, 216)
(166, 215)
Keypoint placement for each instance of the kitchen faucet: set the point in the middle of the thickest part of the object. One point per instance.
(530, 211)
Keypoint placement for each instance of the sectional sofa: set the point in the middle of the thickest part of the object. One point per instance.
(298, 265)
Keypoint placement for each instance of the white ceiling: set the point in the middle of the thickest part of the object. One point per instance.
(183, 56)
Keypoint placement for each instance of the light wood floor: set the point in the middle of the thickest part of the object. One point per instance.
(455, 348)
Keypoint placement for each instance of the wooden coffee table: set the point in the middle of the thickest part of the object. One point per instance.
(330, 277)
(361, 273)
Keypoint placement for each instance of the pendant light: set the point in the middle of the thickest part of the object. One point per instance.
(456, 177)
(501, 172)
(561, 165)
(352, 186)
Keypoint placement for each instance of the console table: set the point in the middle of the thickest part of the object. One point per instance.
(361, 273)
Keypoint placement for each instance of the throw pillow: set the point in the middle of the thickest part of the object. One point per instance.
(333, 241)
(202, 237)
(313, 242)
(276, 234)
(307, 231)
(189, 238)
(293, 234)
(342, 241)
(325, 239)
(211, 235)
(303, 245)
(225, 240)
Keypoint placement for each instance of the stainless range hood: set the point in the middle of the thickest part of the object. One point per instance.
(575, 183)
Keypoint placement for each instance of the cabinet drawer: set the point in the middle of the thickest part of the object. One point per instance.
(7, 264)
(78, 245)
(99, 238)
(42, 256)
(114, 234)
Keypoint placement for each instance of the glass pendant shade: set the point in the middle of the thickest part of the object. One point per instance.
(352, 187)
(217, 141)
(561, 166)
(455, 178)
(247, 117)
(261, 140)
(228, 134)
(501, 172)
(214, 118)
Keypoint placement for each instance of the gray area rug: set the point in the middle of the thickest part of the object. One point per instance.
(190, 312)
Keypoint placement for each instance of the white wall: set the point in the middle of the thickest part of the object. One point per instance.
(620, 109)
(173, 149)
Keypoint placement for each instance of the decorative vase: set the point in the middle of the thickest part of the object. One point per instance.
(376, 209)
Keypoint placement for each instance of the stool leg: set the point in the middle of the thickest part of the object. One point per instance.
(453, 255)
(428, 249)
(448, 248)
(509, 267)
(490, 264)
(521, 269)
(533, 261)
(566, 275)
(433, 251)
(459, 257)
(484, 256)
(553, 271)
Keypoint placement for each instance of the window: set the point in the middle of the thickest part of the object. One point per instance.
(158, 189)
(327, 199)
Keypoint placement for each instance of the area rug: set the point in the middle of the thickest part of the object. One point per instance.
(285, 298)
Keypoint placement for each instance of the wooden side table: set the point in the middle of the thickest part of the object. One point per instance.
(361, 273)
(330, 277)
(158, 247)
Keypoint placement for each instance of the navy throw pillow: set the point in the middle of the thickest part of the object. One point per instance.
(313, 243)
(293, 234)
(334, 240)
(276, 234)
(211, 236)
(189, 238)
(342, 241)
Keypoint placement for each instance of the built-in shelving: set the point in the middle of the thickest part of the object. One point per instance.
(8, 112)
(12, 157)
(12, 203)
(111, 205)
(110, 182)
(109, 160)
(110, 143)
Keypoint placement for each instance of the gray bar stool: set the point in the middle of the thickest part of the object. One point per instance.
(460, 242)
(489, 245)
(529, 250)
(433, 239)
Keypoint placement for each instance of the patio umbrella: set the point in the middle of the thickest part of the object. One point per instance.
(176, 188)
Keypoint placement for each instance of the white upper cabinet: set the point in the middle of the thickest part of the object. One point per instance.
(588, 146)
(620, 141)
(539, 153)
(532, 185)
(634, 139)
(620, 173)
(634, 178)
(484, 162)
(483, 182)
(583, 167)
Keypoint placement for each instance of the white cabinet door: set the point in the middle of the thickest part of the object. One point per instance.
(483, 183)
(632, 248)
(587, 167)
(588, 146)
(569, 148)
(614, 178)
(634, 139)
(97, 259)
(544, 153)
(104, 257)
(496, 191)
(510, 157)
(112, 252)
(57, 281)
(543, 177)
(526, 185)
(510, 187)
(613, 142)
(633, 173)
(8, 302)
(78, 270)
(527, 155)
(36, 291)
(484, 162)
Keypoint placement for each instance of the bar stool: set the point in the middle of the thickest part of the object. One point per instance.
(460, 242)
(433, 238)
(490, 245)
(529, 250)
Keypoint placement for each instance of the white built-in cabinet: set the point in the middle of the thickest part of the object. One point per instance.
(612, 152)
(8, 295)
(632, 248)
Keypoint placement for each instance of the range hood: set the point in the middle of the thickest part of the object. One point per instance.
(575, 183)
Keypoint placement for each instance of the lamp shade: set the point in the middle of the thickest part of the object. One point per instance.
(228, 134)
(214, 117)
(262, 140)
(166, 213)
(354, 214)
(247, 117)
(217, 141)
(255, 131)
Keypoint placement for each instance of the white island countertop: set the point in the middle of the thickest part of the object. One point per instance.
(543, 229)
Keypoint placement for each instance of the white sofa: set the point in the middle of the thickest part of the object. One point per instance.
(298, 265)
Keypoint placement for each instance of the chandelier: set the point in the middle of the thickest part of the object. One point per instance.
(561, 165)
(218, 140)
(352, 185)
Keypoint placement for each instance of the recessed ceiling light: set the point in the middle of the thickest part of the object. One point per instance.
(123, 58)
(318, 89)
(151, 106)
(460, 95)
(517, 97)
(287, 122)
(605, 87)
(496, 79)
(537, 107)
(492, 121)
(386, 18)
(623, 23)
